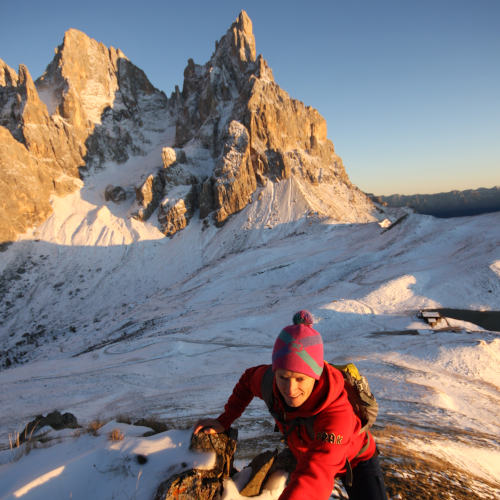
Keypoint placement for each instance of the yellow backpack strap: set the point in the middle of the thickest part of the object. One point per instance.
(359, 393)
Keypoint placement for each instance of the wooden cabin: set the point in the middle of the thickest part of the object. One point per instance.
(433, 318)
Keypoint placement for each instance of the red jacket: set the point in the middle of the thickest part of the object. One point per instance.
(336, 431)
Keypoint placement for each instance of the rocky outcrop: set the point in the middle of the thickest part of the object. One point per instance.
(107, 102)
(235, 179)
(148, 196)
(55, 419)
(176, 210)
(35, 160)
(198, 483)
(263, 466)
(90, 106)
(115, 194)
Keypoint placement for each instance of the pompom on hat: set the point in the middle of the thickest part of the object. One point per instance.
(303, 317)
(299, 348)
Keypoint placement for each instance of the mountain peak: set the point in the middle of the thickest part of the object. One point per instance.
(244, 23)
(76, 40)
(73, 34)
(238, 42)
(8, 76)
(243, 37)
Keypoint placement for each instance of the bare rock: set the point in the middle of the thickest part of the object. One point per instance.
(91, 105)
(235, 178)
(206, 199)
(168, 156)
(202, 484)
(265, 464)
(115, 193)
(177, 209)
(56, 420)
(260, 466)
(35, 157)
(148, 196)
(257, 133)
(106, 102)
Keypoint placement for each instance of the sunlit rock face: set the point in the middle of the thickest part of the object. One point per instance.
(230, 131)
(90, 106)
(36, 158)
(107, 102)
(256, 133)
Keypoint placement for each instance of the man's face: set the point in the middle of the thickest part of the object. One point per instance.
(294, 387)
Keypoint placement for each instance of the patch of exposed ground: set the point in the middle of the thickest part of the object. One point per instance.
(409, 475)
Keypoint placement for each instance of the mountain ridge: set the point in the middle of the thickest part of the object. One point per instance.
(447, 204)
(231, 130)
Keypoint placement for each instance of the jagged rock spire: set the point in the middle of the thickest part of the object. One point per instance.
(238, 42)
(8, 76)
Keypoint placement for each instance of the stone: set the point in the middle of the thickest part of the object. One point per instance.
(260, 466)
(202, 484)
(175, 212)
(263, 466)
(115, 193)
(148, 196)
(206, 197)
(235, 179)
(56, 420)
(168, 156)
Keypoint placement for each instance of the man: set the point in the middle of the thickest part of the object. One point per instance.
(312, 410)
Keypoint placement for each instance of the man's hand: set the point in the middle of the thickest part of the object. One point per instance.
(208, 426)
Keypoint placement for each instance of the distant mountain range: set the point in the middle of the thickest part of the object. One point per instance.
(451, 204)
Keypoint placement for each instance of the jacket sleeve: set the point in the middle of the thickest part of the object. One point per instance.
(314, 475)
(244, 391)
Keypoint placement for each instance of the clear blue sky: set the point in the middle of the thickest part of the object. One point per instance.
(410, 90)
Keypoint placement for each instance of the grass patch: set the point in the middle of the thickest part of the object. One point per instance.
(94, 426)
(116, 435)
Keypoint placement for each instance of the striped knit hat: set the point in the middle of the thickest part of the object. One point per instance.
(299, 348)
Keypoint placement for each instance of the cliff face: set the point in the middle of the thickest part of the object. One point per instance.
(107, 103)
(90, 106)
(230, 130)
(233, 109)
(36, 159)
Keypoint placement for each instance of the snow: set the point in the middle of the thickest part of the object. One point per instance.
(86, 466)
(48, 97)
(270, 490)
(139, 325)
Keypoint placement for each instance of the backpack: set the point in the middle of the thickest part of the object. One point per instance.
(362, 400)
(360, 396)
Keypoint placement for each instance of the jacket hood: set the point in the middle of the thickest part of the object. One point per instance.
(328, 391)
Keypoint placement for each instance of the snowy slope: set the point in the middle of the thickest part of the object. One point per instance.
(108, 318)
